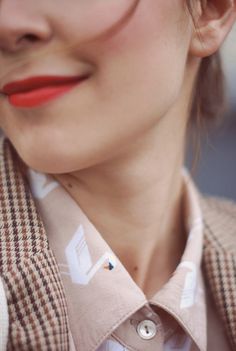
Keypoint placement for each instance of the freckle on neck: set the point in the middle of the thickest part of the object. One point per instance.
(135, 268)
(69, 185)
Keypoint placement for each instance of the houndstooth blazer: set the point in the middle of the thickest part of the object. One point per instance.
(33, 311)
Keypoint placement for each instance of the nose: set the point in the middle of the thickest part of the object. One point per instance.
(22, 25)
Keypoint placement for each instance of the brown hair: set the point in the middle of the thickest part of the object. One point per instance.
(208, 99)
(209, 92)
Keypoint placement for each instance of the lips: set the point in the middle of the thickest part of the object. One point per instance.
(34, 91)
(38, 82)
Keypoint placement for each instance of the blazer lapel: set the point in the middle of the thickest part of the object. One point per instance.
(35, 296)
(219, 259)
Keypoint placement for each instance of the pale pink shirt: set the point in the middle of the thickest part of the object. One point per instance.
(107, 310)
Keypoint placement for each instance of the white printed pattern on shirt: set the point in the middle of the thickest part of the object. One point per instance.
(171, 345)
(40, 184)
(190, 285)
(110, 345)
(81, 269)
(197, 225)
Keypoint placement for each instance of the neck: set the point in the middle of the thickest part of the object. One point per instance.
(134, 201)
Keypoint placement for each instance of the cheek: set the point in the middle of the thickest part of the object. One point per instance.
(141, 69)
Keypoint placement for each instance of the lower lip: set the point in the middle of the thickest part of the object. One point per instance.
(37, 97)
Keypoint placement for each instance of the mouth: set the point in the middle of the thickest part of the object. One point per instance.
(36, 91)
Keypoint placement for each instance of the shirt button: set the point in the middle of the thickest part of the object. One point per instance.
(147, 329)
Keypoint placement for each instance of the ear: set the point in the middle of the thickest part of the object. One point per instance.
(213, 22)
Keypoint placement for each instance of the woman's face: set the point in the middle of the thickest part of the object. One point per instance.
(136, 69)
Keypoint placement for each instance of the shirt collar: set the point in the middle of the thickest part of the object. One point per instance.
(183, 296)
(96, 282)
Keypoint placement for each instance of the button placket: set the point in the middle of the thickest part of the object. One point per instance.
(141, 331)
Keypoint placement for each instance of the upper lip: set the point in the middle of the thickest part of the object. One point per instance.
(38, 82)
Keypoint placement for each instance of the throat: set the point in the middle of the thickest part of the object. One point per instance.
(154, 269)
(152, 263)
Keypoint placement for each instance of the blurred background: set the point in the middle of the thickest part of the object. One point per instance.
(216, 170)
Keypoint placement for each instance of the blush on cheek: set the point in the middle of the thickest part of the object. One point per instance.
(151, 24)
(128, 35)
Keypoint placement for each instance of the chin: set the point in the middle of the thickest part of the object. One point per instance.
(47, 162)
(46, 159)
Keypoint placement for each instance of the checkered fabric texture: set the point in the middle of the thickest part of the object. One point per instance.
(34, 290)
(219, 259)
